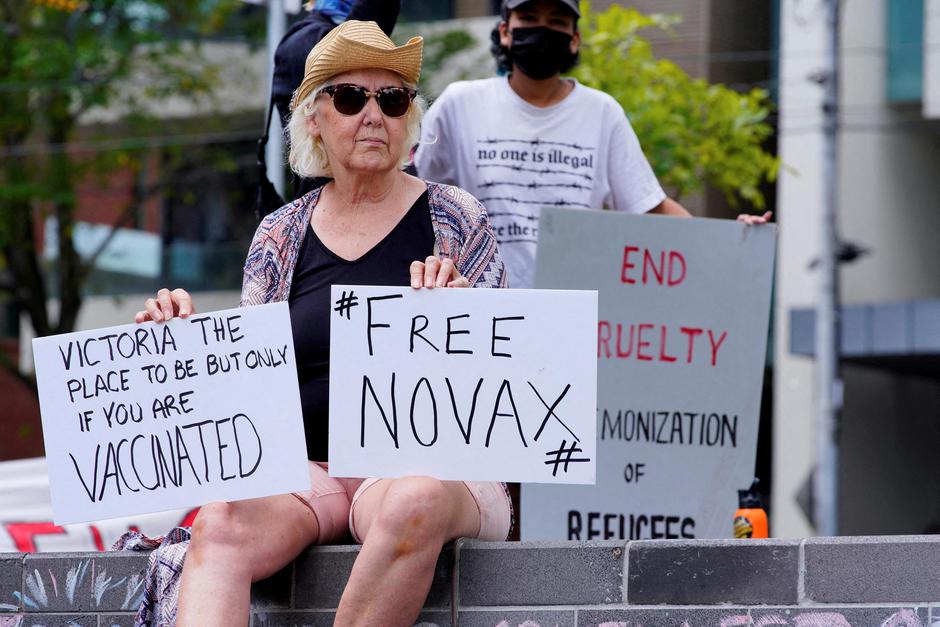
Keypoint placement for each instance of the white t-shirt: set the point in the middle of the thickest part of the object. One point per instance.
(517, 158)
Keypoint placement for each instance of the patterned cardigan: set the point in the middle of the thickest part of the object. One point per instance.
(461, 232)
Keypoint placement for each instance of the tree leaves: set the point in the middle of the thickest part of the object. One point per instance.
(693, 132)
(59, 62)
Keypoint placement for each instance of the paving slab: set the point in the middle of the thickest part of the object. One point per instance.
(539, 573)
(706, 572)
(320, 576)
(881, 569)
(835, 616)
(116, 620)
(665, 617)
(325, 619)
(516, 618)
(83, 582)
(11, 582)
(275, 591)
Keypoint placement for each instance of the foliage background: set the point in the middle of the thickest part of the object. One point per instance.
(62, 62)
(694, 133)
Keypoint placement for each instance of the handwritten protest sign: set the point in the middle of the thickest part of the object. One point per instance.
(681, 341)
(463, 384)
(151, 417)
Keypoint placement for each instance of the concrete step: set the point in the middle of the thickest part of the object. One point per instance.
(854, 581)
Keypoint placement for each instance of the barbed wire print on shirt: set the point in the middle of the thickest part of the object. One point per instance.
(517, 177)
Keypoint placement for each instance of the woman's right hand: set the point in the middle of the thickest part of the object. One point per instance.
(166, 305)
(434, 272)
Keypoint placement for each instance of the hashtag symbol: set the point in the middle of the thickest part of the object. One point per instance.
(345, 303)
(568, 452)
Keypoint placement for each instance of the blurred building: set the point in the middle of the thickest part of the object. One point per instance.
(185, 216)
(889, 206)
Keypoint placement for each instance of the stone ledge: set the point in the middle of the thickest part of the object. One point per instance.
(734, 616)
(690, 572)
(845, 581)
(568, 573)
(75, 582)
(884, 569)
(11, 581)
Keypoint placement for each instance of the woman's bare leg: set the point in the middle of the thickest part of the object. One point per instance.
(234, 544)
(404, 524)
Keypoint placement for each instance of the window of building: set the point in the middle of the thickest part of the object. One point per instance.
(430, 10)
(905, 51)
(427, 10)
(208, 217)
(196, 226)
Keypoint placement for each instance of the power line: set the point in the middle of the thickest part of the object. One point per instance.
(855, 129)
(738, 56)
(134, 143)
(903, 121)
(847, 128)
(171, 179)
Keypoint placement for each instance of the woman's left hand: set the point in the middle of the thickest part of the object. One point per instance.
(433, 272)
(747, 218)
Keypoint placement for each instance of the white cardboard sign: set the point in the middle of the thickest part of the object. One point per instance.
(681, 344)
(463, 384)
(152, 417)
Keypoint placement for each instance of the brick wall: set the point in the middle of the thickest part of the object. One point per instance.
(819, 582)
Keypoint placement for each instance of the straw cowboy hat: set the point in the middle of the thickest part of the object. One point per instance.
(355, 45)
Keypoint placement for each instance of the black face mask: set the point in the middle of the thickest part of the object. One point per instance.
(541, 52)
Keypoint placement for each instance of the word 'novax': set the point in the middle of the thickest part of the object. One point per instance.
(500, 404)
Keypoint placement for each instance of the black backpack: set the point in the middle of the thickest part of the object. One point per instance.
(289, 59)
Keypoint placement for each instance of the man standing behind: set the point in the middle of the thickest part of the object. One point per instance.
(534, 139)
(323, 16)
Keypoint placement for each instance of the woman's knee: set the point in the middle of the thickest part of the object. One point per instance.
(416, 508)
(217, 527)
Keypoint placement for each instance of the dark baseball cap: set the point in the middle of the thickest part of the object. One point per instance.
(570, 4)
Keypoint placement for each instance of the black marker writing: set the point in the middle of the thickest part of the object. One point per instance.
(451, 332)
(501, 338)
(222, 329)
(142, 341)
(168, 463)
(414, 397)
(370, 325)
(98, 385)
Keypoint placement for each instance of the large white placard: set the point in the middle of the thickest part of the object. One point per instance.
(151, 417)
(490, 385)
(681, 344)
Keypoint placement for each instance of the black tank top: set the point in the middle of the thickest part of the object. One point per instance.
(318, 268)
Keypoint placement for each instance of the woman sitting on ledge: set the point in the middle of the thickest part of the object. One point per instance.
(354, 118)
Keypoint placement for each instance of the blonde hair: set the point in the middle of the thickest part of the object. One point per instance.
(308, 157)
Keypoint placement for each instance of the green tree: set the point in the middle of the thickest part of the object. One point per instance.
(693, 133)
(61, 61)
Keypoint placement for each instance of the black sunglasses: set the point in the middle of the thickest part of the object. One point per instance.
(349, 99)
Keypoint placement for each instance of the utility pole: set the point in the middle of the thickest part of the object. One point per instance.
(274, 151)
(828, 380)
